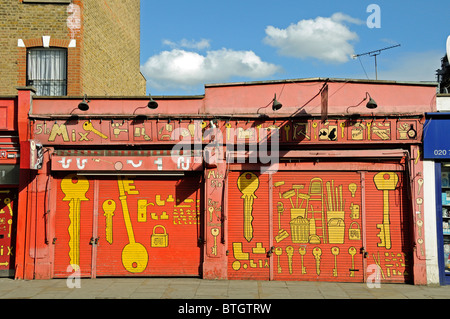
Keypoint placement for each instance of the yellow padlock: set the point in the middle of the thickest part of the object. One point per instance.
(159, 240)
(354, 233)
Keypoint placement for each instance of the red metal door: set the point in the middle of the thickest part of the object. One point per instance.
(8, 219)
(74, 225)
(248, 226)
(149, 226)
(387, 226)
(317, 226)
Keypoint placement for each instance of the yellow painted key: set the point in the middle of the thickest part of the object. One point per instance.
(109, 206)
(385, 181)
(90, 128)
(248, 184)
(317, 252)
(75, 188)
(134, 254)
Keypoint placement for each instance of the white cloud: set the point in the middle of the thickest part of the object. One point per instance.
(178, 68)
(189, 44)
(326, 39)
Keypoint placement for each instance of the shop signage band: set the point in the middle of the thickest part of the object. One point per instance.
(154, 161)
(103, 132)
(435, 143)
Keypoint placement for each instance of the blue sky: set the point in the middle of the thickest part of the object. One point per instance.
(187, 44)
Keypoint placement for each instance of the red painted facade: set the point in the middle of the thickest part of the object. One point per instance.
(196, 192)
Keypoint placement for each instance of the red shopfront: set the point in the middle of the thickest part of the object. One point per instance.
(343, 212)
(115, 197)
(323, 215)
(126, 223)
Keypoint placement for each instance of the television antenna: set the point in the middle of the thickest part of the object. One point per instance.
(374, 53)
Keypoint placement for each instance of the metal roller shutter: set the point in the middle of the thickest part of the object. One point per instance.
(129, 226)
(74, 221)
(317, 226)
(149, 227)
(248, 197)
(388, 240)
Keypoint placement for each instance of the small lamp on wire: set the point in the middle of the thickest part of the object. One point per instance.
(84, 106)
(371, 104)
(276, 105)
(152, 104)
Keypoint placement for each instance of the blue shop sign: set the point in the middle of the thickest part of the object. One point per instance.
(436, 136)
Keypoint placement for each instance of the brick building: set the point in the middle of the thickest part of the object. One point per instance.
(62, 48)
(77, 47)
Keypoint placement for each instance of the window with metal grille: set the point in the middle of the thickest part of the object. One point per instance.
(47, 71)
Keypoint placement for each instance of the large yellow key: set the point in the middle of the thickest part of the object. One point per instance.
(248, 184)
(75, 188)
(134, 254)
(90, 128)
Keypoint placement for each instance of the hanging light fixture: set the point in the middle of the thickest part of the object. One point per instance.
(84, 106)
(152, 104)
(371, 104)
(276, 105)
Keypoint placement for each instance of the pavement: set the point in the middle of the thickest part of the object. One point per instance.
(199, 289)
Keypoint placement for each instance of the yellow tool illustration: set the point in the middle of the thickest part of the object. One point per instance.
(134, 255)
(159, 240)
(316, 194)
(282, 234)
(385, 181)
(377, 262)
(75, 188)
(238, 253)
(87, 126)
(109, 206)
(335, 214)
(342, 125)
(228, 127)
(354, 233)
(248, 184)
(142, 205)
(10, 221)
(352, 188)
(352, 252)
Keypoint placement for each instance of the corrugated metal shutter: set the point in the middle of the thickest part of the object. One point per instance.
(317, 226)
(142, 226)
(162, 216)
(387, 210)
(74, 220)
(321, 220)
(249, 244)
